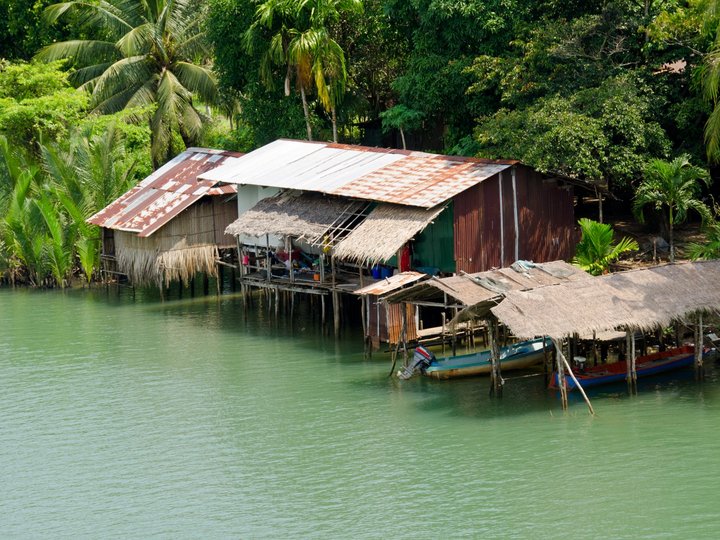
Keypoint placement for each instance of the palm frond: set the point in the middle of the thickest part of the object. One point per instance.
(197, 79)
(83, 52)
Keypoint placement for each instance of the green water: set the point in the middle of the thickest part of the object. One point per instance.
(187, 419)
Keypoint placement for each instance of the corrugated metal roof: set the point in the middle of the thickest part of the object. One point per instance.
(165, 193)
(378, 174)
(391, 283)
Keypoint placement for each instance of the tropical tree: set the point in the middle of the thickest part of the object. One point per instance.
(84, 178)
(672, 187)
(146, 52)
(300, 41)
(596, 249)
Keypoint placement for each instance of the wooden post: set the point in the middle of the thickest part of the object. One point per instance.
(268, 266)
(631, 376)
(561, 374)
(454, 334)
(442, 333)
(496, 381)
(403, 333)
(699, 335)
(562, 361)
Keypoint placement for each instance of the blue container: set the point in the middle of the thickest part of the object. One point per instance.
(375, 271)
(385, 272)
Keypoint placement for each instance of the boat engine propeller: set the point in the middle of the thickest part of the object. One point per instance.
(420, 362)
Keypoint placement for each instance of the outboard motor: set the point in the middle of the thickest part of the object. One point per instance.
(420, 362)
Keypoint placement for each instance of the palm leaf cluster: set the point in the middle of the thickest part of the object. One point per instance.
(45, 199)
(597, 250)
(673, 188)
(296, 36)
(145, 53)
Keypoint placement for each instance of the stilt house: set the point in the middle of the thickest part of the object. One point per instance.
(172, 224)
(379, 211)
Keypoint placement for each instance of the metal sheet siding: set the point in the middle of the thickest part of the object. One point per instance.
(545, 218)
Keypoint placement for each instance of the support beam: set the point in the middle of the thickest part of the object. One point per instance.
(563, 361)
(699, 334)
(496, 381)
(562, 385)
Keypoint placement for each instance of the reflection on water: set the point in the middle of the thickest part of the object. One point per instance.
(124, 416)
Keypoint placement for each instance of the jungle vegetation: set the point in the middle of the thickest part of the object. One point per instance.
(614, 92)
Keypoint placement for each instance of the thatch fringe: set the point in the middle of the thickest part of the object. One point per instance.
(637, 300)
(384, 232)
(145, 263)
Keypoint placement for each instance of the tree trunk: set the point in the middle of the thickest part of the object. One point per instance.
(670, 234)
(402, 136)
(306, 111)
(334, 124)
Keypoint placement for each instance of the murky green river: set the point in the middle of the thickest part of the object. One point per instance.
(189, 419)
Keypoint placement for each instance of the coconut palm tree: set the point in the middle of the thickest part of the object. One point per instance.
(672, 187)
(596, 249)
(149, 53)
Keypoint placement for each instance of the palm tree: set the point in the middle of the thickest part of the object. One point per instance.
(710, 80)
(596, 250)
(672, 187)
(149, 53)
(300, 41)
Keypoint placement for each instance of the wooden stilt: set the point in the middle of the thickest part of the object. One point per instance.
(442, 333)
(322, 310)
(336, 312)
(562, 385)
(496, 381)
(563, 361)
(699, 335)
(631, 376)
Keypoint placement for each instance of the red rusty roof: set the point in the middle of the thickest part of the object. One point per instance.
(167, 192)
(388, 175)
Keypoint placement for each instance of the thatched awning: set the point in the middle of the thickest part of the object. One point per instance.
(306, 216)
(637, 300)
(384, 232)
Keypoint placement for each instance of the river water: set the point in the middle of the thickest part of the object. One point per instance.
(130, 418)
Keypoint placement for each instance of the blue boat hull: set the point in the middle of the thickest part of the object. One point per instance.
(517, 356)
(614, 374)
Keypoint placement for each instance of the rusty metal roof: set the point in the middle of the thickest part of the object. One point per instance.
(167, 192)
(377, 174)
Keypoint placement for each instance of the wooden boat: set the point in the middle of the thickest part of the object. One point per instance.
(516, 356)
(645, 366)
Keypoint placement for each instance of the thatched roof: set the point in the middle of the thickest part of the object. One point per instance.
(384, 232)
(306, 216)
(637, 300)
(481, 290)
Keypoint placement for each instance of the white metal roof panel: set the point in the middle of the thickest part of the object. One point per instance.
(384, 175)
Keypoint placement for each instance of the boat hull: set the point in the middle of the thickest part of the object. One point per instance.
(527, 354)
(645, 366)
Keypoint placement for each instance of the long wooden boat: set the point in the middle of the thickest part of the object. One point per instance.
(516, 356)
(645, 366)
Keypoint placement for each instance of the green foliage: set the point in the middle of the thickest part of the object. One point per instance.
(46, 198)
(37, 102)
(604, 133)
(710, 249)
(144, 54)
(22, 28)
(596, 250)
(672, 187)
